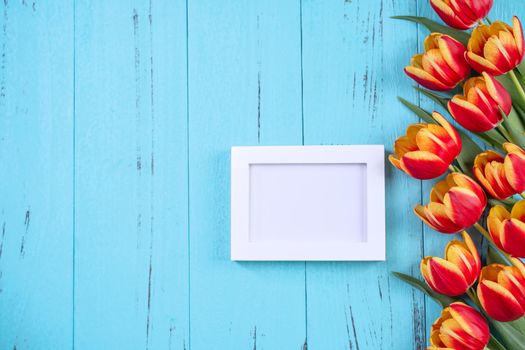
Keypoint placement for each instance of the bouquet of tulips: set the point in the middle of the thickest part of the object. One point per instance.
(473, 69)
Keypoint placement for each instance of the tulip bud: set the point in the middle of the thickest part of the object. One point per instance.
(508, 229)
(496, 48)
(501, 177)
(455, 274)
(456, 203)
(461, 14)
(427, 150)
(442, 66)
(501, 291)
(459, 327)
(478, 109)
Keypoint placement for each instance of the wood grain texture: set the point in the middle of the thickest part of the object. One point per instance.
(352, 70)
(131, 232)
(244, 89)
(36, 175)
(116, 122)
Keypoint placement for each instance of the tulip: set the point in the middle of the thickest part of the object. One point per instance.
(442, 66)
(461, 14)
(501, 291)
(455, 274)
(478, 109)
(501, 177)
(427, 150)
(508, 229)
(456, 203)
(459, 327)
(496, 48)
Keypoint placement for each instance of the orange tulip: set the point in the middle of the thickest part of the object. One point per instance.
(459, 327)
(456, 203)
(427, 150)
(478, 109)
(461, 14)
(455, 274)
(501, 177)
(443, 64)
(496, 48)
(501, 291)
(508, 229)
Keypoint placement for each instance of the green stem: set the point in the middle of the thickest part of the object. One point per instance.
(522, 195)
(505, 133)
(472, 295)
(517, 84)
(486, 234)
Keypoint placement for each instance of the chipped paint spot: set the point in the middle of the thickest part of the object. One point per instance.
(27, 220)
(254, 338)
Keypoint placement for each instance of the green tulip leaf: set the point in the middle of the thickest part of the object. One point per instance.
(438, 98)
(509, 336)
(421, 113)
(521, 67)
(515, 128)
(442, 300)
(494, 344)
(493, 257)
(433, 26)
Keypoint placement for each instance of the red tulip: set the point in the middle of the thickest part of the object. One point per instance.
(461, 14)
(497, 48)
(442, 66)
(478, 109)
(508, 229)
(427, 150)
(501, 177)
(455, 274)
(459, 327)
(501, 291)
(456, 203)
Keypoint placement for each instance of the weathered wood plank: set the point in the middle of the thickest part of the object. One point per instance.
(353, 55)
(36, 157)
(244, 89)
(131, 262)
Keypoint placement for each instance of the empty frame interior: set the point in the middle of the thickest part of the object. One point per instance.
(308, 202)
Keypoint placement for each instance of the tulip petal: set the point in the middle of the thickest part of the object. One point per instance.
(453, 133)
(514, 165)
(498, 93)
(472, 323)
(444, 277)
(455, 337)
(511, 279)
(466, 182)
(448, 16)
(517, 30)
(434, 63)
(453, 53)
(518, 211)
(434, 215)
(469, 115)
(513, 237)
(426, 79)
(436, 140)
(495, 220)
(498, 302)
(462, 206)
(480, 64)
(423, 165)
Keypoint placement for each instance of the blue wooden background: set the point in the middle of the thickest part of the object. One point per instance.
(116, 120)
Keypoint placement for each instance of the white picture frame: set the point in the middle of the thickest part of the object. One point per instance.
(308, 203)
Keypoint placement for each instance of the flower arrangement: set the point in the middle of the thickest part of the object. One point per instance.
(473, 69)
